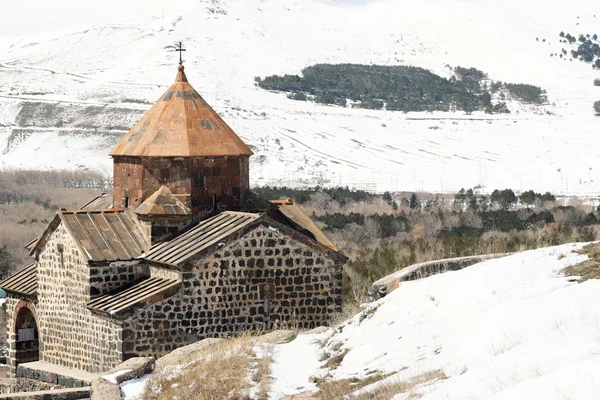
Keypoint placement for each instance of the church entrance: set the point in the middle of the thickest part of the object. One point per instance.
(26, 332)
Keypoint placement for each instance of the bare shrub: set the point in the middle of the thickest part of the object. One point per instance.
(29, 200)
(376, 387)
(219, 373)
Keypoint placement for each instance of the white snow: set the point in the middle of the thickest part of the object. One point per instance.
(293, 365)
(510, 328)
(229, 42)
(133, 389)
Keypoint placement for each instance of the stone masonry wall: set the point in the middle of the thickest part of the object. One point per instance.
(225, 293)
(193, 180)
(107, 278)
(70, 335)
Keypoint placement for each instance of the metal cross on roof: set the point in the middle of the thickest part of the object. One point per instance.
(180, 50)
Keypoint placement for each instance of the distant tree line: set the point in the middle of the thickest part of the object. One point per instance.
(399, 88)
(503, 199)
(341, 195)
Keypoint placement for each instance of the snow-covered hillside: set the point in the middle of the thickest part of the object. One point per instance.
(66, 97)
(510, 328)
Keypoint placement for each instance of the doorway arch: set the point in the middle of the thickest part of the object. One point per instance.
(27, 345)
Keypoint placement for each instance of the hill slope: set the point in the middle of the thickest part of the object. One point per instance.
(510, 328)
(66, 98)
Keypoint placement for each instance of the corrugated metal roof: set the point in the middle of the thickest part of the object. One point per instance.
(163, 202)
(104, 235)
(23, 282)
(291, 211)
(200, 237)
(146, 290)
(181, 124)
(101, 202)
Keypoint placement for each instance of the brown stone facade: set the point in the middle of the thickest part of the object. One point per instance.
(256, 282)
(69, 334)
(197, 181)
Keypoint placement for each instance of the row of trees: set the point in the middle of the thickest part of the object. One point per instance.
(505, 199)
(340, 194)
(399, 88)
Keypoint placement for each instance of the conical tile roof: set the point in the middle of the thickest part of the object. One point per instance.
(181, 124)
(163, 202)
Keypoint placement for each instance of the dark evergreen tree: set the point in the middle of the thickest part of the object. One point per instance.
(505, 198)
(527, 197)
(6, 262)
(297, 96)
(547, 197)
(387, 197)
(414, 203)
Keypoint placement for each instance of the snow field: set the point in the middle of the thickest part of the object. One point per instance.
(510, 328)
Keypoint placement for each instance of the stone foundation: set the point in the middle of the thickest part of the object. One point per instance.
(48, 380)
(20, 384)
(54, 394)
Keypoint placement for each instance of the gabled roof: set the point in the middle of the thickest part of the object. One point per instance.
(293, 213)
(151, 289)
(109, 235)
(199, 238)
(163, 202)
(23, 282)
(216, 229)
(181, 124)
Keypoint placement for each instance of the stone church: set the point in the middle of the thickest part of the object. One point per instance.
(182, 251)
